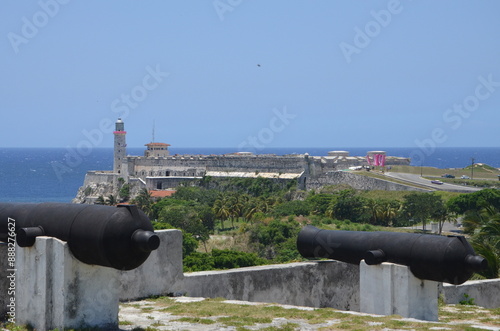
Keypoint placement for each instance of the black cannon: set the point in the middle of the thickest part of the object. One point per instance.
(118, 237)
(443, 259)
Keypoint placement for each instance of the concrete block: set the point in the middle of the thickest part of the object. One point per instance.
(388, 289)
(55, 290)
(160, 274)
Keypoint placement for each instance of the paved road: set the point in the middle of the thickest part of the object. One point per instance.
(416, 179)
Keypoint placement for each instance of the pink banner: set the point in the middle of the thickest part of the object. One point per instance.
(378, 160)
(382, 160)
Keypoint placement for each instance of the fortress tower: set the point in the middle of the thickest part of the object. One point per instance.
(120, 146)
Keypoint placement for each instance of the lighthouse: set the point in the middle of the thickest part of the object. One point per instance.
(120, 146)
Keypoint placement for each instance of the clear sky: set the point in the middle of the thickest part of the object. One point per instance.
(234, 73)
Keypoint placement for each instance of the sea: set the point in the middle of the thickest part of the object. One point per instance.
(55, 174)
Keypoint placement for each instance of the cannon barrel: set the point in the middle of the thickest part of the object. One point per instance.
(443, 259)
(119, 237)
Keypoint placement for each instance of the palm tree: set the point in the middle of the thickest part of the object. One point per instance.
(373, 207)
(100, 200)
(111, 200)
(251, 207)
(387, 212)
(330, 211)
(236, 206)
(486, 239)
(143, 201)
(221, 209)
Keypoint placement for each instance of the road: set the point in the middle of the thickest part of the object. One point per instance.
(416, 179)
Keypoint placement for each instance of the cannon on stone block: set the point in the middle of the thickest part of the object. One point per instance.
(448, 259)
(119, 237)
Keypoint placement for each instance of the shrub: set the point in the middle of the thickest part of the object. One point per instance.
(294, 207)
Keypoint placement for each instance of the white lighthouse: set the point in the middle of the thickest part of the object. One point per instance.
(120, 150)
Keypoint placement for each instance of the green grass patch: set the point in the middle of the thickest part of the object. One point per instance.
(244, 320)
(198, 320)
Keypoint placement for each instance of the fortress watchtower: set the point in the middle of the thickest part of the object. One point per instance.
(156, 150)
(120, 150)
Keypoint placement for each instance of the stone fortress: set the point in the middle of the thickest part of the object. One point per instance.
(158, 170)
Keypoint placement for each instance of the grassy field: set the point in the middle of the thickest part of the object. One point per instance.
(481, 171)
(484, 175)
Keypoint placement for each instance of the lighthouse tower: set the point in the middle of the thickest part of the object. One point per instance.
(120, 146)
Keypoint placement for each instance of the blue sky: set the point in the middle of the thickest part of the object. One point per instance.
(236, 73)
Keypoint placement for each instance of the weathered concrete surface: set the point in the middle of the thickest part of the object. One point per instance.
(161, 274)
(313, 284)
(388, 289)
(151, 314)
(4, 283)
(55, 290)
(486, 293)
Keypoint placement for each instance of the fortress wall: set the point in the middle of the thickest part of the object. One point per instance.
(99, 183)
(484, 292)
(324, 164)
(314, 284)
(98, 177)
(263, 163)
(166, 183)
(198, 165)
(358, 182)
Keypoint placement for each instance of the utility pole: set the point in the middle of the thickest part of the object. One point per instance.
(472, 169)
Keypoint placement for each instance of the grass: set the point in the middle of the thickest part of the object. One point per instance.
(244, 317)
(481, 171)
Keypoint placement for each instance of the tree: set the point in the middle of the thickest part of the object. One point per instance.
(144, 203)
(124, 192)
(468, 202)
(221, 209)
(197, 194)
(347, 205)
(320, 202)
(251, 208)
(207, 217)
(111, 200)
(423, 206)
(100, 200)
(236, 206)
(486, 240)
(294, 207)
(387, 211)
(276, 239)
(373, 207)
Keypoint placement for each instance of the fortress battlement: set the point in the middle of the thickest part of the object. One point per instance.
(158, 170)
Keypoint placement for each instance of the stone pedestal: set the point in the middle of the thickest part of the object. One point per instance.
(4, 282)
(388, 289)
(160, 274)
(55, 290)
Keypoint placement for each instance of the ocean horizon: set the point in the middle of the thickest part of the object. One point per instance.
(55, 174)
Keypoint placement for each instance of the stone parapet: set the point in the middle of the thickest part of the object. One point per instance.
(313, 284)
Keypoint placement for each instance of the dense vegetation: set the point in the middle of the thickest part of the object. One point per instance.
(261, 218)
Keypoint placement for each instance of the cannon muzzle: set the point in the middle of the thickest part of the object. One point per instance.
(448, 259)
(119, 237)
